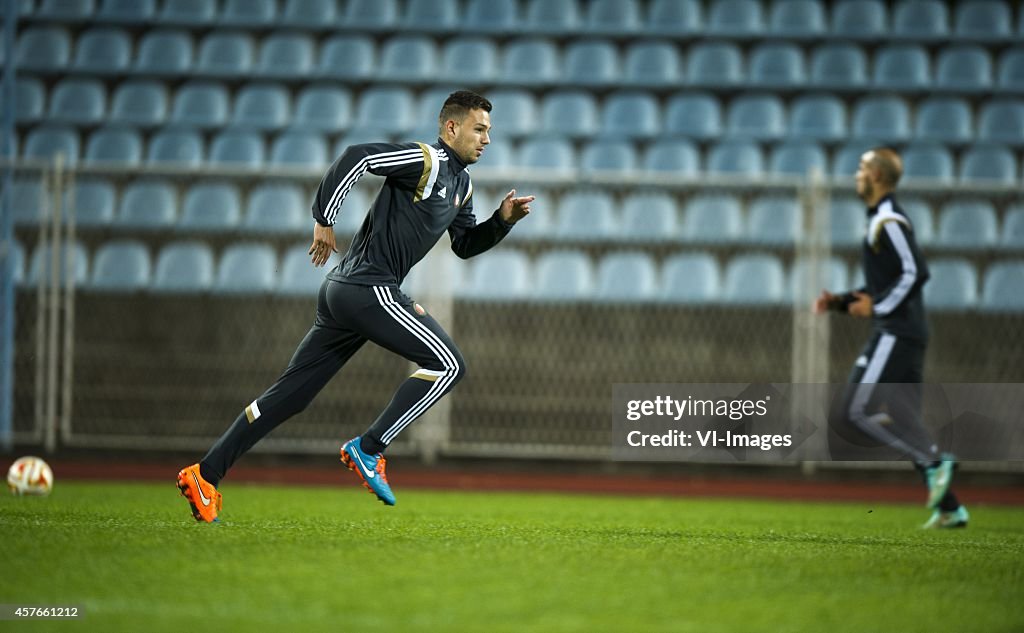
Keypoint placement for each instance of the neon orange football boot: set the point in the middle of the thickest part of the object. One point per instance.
(206, 502)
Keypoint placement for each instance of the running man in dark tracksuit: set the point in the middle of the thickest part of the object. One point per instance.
(894, 273)
(427, 192)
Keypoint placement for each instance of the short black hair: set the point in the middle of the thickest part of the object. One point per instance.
(459, 103)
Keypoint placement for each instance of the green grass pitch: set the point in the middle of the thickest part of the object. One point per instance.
(325, 559)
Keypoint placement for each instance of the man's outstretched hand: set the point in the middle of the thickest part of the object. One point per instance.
(513, 209)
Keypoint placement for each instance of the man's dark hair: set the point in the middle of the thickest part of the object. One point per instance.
(459, 103)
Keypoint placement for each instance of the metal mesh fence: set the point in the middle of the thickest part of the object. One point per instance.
(144, 366)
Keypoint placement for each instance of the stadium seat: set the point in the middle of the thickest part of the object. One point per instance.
(518, 111)
(323, 108)
(546, 153)
(1003, 287)
(715, 64)
(839, 66)
(139, 103)
(864, 19)
(238, 148)
(570, 113)
(755, 279)
(74, 264)
(102, 50)
(148, 204)
(121, 266)
(408, 58)
(164, 52)
(30, 203)
(692, 277)
(952, 285)
(989, 164)
(652, 63)
(127, 12)
(803, 286)
(798, 158)
(281, 208)
(301, 149)
(678, 157)
(189, 13)
(93, 201)
(884, 117)
(346, 57)
(612, 17)
(794, 19)
(712, 218)
(114, 145)
(626, 277)
(968, 223)
(466, 57)
(736, 157)
(77, 101)
(211, 207)
(492, 16)
(919, 212)
(586, 215)
(200, 104)
(29, 100)
(428, 16)
(530, 61)
(388, 110)
(262, 106)
(563, 275)
(246, 269)
(920, 20)
(504, 275)
(1013, 228)
(774, 220)
(735, 19)
(591, 63)
(966, 68)
(299, 277)
(1011, 70)
(944, 120)
(673, 17)
(183, 267)
(309, 14)
(46, 141)
(248, 14)
(1002, 121)
(983, 21)
(696, 115)
(631, 115)
(649, 217)
(847, 221)
(608, 155)
(818, 117)
(65, 10)
(759, 117)
(777, 65)
(42, 49)
(552, 16)
(930, 162)
(371, 14)
(178, 146)
(902, 67)
(226, 54)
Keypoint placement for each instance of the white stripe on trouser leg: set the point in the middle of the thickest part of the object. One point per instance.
(435, 345)
(872, 425)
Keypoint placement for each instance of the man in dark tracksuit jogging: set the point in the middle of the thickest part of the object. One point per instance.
(427, 192)
(894, 274)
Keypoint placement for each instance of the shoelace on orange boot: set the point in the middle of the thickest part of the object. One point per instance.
(380, 467)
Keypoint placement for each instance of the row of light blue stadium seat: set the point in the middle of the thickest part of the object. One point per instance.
(538, 60)
(208, 105)
(588, 215)
(509, 275)
(730, 18)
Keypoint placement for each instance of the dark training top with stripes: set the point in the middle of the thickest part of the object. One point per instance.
(894, 272)
(427, 191)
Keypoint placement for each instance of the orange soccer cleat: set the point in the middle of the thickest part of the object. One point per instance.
(206, 502)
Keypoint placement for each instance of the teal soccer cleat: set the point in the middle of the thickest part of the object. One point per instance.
(941, 520)
(370, 469)
(939, 477)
